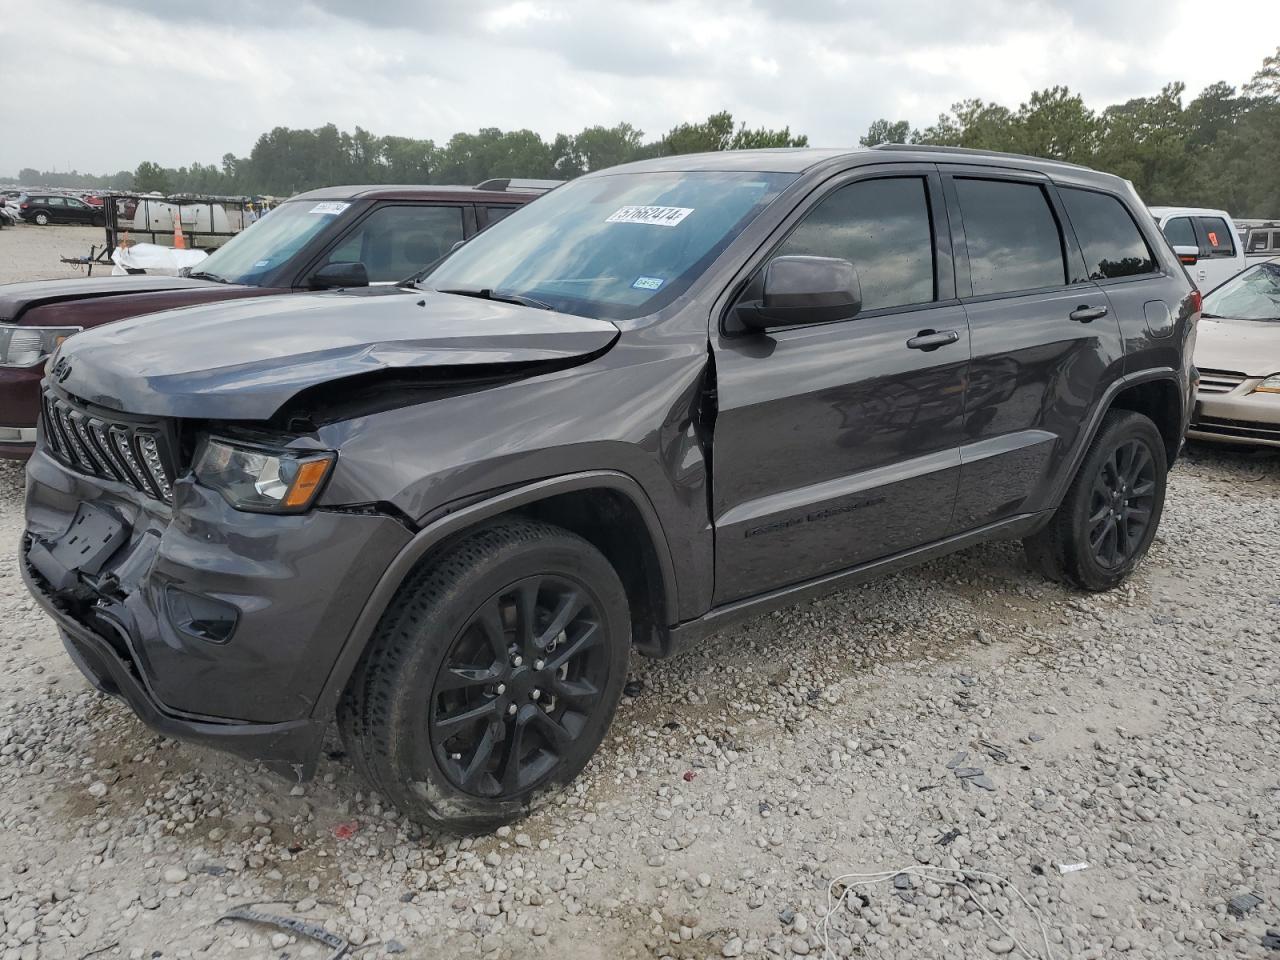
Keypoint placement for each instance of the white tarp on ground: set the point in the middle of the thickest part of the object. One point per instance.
(153, 259)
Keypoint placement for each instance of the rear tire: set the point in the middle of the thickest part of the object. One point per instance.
(492, 678)
(41, 219)
(1109, 516)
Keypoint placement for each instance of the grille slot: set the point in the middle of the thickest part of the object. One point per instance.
(115, 450)
(1220, 381)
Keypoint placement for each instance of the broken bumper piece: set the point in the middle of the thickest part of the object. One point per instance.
(290, 749)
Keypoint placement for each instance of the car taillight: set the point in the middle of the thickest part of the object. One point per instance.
(1197, 301)
(24, 206)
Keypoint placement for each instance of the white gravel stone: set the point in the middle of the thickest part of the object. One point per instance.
(1153, 760)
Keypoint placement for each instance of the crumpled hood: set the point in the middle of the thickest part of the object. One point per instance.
(1251, 347)
(243, 360)
(15, 298)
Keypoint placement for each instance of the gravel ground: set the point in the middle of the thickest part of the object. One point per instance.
(962, 715)
(28, 252)
(1134, 731)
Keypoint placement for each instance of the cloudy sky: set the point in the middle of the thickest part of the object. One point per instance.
(101, 86)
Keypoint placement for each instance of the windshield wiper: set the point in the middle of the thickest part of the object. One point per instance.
(501, 296)
(205, 275)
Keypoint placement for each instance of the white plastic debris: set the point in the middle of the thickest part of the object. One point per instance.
(154, 259)
(1072, 867)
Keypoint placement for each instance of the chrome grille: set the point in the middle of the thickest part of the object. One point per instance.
(116, 450)
(1220, 381)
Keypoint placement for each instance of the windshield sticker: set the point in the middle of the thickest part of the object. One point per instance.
(655, 216)
(261, 263)
(329, 206)
(648, 283)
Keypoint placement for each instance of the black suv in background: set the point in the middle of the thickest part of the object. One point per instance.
(43, 209)
(666, 396)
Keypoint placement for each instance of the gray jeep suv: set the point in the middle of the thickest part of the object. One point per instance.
(663, 397)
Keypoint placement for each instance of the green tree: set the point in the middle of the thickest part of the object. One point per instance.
(595, 148)
(1055, 123)
(1266, 82)
(150, 177)
(886, 131)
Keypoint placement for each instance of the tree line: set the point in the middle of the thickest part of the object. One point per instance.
(1218, 149)
(285, 161)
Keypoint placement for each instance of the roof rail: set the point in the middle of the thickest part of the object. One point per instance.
(969, 152)
(503, 184)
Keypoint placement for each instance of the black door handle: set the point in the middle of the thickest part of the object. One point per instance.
(1087, 314)
(932, 339)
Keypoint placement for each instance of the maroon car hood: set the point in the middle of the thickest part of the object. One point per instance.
(17, 298)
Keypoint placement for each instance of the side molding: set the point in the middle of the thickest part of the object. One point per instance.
(457, 521)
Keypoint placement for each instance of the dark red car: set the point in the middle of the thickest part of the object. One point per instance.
(334, 237)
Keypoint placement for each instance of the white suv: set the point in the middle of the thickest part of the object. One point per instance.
(1219, 256)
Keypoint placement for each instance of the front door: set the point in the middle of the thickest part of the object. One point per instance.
(837, 444)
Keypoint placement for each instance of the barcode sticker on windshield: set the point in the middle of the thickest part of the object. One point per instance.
(655, 216)
(329, 206)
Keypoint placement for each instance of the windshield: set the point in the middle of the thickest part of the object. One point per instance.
(1252, 294)
(266, 244)
(613, 247)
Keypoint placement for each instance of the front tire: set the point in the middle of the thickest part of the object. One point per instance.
(492, 678)
(1105, 524)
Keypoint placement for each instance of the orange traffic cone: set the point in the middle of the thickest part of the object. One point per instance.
(179, 241)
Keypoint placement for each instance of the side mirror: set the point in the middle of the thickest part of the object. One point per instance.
(341, 274)
(1187, 255)
(804, 290)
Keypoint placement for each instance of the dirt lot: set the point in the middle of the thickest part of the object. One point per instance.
(28, 252)
(1136, 732)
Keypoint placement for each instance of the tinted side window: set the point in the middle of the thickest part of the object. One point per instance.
(494, 214)
(882, 228)
(395, 242)
(1113, 245)
(1257, 241)
(54, 202)
(1221, 236)
(1180, 233)
(1013, 237)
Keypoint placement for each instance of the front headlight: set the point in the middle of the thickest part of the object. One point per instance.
(1269, 385)
(29, 346)
(262, 479)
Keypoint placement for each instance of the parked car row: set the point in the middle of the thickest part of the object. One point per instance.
(446, 509)
(336, 237)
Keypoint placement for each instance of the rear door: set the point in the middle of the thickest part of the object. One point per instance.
(56, 208)
(836, 443)
(1220, 256)
(1044, 341)
(1143, 299)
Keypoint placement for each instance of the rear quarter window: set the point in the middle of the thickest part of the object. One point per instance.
(1112, 243)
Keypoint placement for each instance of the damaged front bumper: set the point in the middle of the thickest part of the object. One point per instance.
(214, 625)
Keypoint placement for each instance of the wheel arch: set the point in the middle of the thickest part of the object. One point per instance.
(1156, 393)
(1160, 400)
(607, 508)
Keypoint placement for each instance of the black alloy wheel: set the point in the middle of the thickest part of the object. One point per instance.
(1104, 524)
(518, 687)
(1122, 501)
(492, 677)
